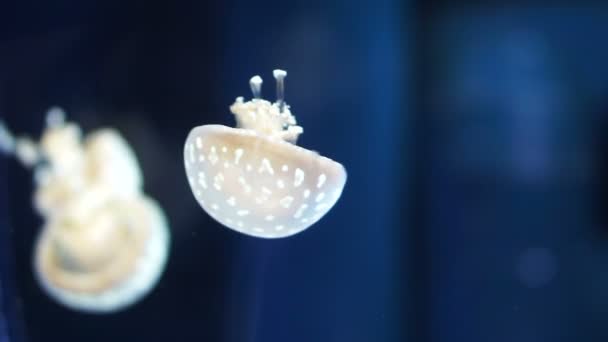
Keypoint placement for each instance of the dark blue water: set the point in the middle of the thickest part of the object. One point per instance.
(473, 135)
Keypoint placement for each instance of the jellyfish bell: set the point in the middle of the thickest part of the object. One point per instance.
(104, 243)
(107, 261)
(258, 185)
(253, 178)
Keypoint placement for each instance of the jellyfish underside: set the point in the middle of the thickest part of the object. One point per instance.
(104, 271)
(104, 243)
(253, 179)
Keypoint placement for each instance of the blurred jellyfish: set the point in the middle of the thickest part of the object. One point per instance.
(253, 178)
(104, 243)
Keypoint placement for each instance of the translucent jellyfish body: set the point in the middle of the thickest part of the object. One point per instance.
(104, 244)
(253, 178)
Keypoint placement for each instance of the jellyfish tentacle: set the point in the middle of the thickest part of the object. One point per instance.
(279, 76)
(7, 140)
(55, 117)
(256, 86)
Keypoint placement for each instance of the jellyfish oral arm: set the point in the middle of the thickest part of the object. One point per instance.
(274, 120)
(7, 140)
(24, 148)
(266, 119)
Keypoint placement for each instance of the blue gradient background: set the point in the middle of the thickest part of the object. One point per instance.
(473, 136)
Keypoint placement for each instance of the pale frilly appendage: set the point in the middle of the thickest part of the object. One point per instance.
(104, 242)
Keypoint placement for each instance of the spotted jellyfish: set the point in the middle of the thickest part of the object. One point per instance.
(104, 243)
(254, 178)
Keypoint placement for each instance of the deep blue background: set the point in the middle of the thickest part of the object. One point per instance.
(473, 136)
(156, 70)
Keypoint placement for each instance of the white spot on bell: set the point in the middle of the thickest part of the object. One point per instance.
(320, 197)
(217, 180)
(261, 199)
(322, 179)
(300, 211)
(212, 157)
(298, 177)
(243, 182)
(286, 201)
(201, 180)
(266, 166)
(306, 193)
(238, 153)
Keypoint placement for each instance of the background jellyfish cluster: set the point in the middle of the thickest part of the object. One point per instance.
(474, 137)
